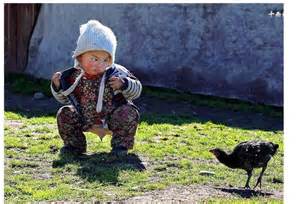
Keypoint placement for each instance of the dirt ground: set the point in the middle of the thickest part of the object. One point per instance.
(195, 193)
(147, 104)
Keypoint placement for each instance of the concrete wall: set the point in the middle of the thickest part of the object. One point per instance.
(228, 50)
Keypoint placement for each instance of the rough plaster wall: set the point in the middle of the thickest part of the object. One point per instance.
(228, 50)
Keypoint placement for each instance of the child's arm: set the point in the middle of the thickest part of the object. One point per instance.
(132, 87)
(56, 89)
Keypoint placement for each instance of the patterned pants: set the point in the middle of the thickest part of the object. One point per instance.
(122, 122)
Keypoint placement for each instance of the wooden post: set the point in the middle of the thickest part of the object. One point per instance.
(19, 24)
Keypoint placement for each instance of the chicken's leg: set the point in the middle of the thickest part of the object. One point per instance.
(249, 172)
(260, 177)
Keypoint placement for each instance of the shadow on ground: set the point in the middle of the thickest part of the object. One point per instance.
(157, 111)
(102, 167)
(245, 193)
(249, 121)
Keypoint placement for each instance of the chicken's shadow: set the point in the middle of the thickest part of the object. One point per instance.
(245, 193)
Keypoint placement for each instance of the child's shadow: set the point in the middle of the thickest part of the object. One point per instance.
(103, 167)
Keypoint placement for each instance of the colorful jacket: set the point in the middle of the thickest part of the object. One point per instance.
(131, 89)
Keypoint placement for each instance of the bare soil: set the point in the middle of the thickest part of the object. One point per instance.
(196, 193)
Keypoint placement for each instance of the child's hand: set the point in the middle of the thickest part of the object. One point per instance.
(55, 79)
(116, 83)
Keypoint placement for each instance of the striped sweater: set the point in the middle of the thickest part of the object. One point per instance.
(131, 89)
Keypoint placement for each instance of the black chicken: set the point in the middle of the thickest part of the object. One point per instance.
(248, 155)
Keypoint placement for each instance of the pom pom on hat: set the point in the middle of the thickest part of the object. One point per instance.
(95, 36)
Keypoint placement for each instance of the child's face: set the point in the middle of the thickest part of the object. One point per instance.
(94, 62)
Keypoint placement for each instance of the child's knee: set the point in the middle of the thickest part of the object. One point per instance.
(66, 110)
(126, 113)
(67, 114)
(123, 118)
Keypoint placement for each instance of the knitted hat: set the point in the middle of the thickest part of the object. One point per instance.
(95, 36)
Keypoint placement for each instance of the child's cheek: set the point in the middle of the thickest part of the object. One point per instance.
(90, 65)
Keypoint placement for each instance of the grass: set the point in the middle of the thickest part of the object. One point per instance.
(26, 84)
(169, 150)
(213, 101)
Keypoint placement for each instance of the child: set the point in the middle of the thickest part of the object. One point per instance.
(100, 92)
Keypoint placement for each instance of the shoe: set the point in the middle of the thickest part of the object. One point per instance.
(67, 149)
(119, 151)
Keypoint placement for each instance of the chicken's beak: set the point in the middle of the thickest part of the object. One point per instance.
(211, 151)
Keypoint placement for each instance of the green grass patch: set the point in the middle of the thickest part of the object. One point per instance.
(169, 150)
(27, 84)
(212, 101)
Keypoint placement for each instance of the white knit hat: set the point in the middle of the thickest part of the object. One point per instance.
(95, 36)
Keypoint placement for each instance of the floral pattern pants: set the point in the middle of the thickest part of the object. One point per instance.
(122, 122)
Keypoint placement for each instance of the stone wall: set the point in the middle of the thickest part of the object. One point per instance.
(227, 50)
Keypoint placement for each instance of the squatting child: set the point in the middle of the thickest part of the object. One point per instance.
(98, 93)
